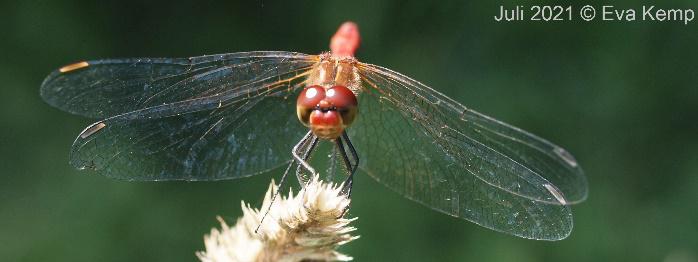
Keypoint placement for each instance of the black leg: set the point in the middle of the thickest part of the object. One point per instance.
(352, 167)
(275, 194)
(312, 143)
(351, 149)
(302, 161)
(301, 143)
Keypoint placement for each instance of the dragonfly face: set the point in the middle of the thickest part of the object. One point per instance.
(327, 111)
(231, 115)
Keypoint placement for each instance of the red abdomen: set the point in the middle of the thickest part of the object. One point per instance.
(346, 40)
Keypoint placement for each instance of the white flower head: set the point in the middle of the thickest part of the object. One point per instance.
(306, 226)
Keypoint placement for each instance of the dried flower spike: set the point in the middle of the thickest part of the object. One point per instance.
(302, 227)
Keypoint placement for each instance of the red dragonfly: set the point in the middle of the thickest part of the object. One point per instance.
(231, 115)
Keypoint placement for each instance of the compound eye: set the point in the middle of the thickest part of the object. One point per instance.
(308, 99)
(345, 101)
(311, 96)
(341, 97)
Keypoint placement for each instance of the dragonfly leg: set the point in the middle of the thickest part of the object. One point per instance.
(306, 145)
(309, 141)
(275, 193)
(352, 167)
(302, 143)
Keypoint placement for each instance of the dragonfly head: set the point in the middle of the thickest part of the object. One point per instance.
(327, 111)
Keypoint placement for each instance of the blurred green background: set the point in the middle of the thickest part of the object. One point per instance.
(623, 97)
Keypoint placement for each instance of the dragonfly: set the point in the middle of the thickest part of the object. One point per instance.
(230, 116)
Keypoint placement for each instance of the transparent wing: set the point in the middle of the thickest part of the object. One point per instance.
(211, 125)
(439, 153)
(105, 88)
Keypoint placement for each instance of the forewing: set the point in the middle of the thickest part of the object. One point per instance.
(106, 88)
(455, 160)
(241, 122)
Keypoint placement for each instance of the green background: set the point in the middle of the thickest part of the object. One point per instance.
(621, 96)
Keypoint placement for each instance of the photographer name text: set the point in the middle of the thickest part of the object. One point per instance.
(545, 13)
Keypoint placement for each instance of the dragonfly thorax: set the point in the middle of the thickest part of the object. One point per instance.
(326, 111)
(335, 71)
